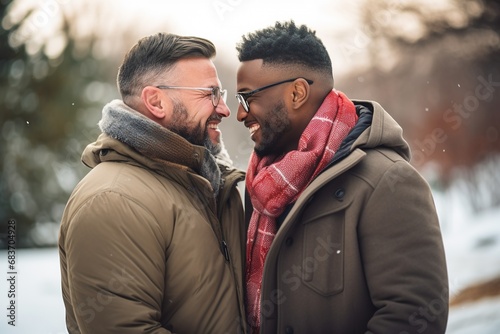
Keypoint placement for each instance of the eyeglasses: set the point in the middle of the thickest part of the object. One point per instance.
(216, 92)
(242, 97)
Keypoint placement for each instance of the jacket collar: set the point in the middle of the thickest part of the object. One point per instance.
(154, 143)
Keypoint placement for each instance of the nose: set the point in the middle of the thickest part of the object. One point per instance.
(241, 114)
(222, 109)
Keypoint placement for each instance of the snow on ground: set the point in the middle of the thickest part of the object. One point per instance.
(481, 317)
(39, 305)
(473, 252)
(472, 243)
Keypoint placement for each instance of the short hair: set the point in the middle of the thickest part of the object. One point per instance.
(151, 56)
(286, 44)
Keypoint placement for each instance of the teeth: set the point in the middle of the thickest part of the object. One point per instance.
(212, 126)
(253, 128)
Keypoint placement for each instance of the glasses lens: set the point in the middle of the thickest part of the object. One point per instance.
(215, 96)
(242, 101)
(223, 94)
(217, 93)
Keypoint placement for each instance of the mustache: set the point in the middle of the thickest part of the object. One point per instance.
(214, 117)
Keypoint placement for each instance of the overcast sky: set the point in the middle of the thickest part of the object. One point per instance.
(225, 21)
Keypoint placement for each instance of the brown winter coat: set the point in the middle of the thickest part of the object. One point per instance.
(361, 249)
(142, 247)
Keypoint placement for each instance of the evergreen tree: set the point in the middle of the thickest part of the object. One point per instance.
(50, 108)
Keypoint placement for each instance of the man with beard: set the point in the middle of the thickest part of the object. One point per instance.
(343, 235)
(152, 239)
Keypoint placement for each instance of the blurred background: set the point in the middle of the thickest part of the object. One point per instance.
(433, 65)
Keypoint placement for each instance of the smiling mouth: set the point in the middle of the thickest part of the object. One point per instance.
(213, 126)
(253, 129)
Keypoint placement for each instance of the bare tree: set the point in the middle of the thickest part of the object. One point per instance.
(435, 66)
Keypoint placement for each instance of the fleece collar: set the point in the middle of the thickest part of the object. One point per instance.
(153, 141)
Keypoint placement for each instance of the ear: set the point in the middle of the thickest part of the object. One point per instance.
(155, 101)
(300, 93)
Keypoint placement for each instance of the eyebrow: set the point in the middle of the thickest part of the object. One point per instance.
(243, 90)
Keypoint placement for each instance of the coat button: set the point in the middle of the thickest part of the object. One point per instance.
(288, 330)
(289, 241)
(339, 194)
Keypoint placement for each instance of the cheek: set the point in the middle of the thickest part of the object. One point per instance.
(278, 123)
(278, 115)
(199, 113)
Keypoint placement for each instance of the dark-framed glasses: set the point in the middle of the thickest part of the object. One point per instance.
(243, 96)
(216, 92)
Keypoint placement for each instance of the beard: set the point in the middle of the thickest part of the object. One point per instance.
(195, 135)
(271, 130)
(210, 146)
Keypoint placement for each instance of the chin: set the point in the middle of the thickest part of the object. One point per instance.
(261, 151)
(271, 148)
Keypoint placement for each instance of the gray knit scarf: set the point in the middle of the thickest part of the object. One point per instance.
(152, 140)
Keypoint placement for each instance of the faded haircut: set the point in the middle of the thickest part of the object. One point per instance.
(154, 55)
(286, 44)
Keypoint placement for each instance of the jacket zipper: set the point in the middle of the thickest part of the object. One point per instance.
(224, 190)
(229, 184)
(225, 251)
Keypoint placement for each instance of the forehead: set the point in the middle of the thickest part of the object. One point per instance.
(253, 73)
(195, 70)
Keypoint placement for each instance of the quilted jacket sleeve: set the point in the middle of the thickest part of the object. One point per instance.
(113, 257)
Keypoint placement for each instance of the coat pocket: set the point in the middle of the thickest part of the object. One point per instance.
(323, 257)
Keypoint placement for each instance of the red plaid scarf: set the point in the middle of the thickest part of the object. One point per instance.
(274, 183)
